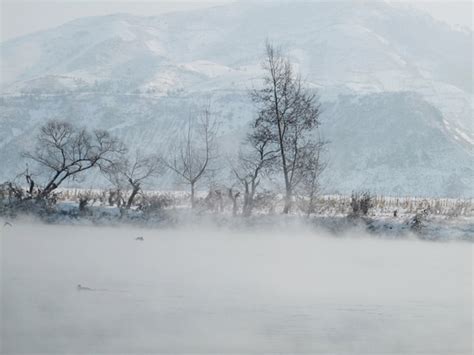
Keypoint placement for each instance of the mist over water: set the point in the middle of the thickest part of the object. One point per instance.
(212, 290)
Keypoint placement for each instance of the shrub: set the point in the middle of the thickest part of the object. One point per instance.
(417, 223)
(154, 204)
(361, 203)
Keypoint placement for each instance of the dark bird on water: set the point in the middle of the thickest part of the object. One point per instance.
(83, 288)
(139, 238)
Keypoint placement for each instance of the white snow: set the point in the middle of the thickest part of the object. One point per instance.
(207, 68)
(149, 63)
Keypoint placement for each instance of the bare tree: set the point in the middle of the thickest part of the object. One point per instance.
(130, 174)
(288, 115)
(308, 185)
(253, 161)
(66, 151)
(195, 149)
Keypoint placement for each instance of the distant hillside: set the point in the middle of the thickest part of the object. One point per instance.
(396, 85)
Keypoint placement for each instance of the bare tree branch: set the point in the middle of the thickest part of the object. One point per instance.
(195, 149)
(288, 116)
(64, 151)
(132, 172)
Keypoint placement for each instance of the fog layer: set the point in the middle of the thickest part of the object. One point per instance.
(212, 290)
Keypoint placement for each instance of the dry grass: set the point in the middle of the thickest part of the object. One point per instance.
(326, 205)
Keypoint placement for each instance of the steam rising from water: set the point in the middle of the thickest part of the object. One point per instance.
(214, 290)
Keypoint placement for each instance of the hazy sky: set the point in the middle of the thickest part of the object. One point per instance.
(20, 17)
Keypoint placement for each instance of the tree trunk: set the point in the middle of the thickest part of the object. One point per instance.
(288, 201)
(246, 207)
(31, 184)
(48, 189)
(192, 195)
(282, 151)
(136, 188)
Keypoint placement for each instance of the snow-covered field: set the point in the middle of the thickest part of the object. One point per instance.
(212, 290)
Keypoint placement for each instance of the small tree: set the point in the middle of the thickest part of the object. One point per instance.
(310, 171)
(287, 117)
(195, 149)
(65, 151)
(131, 173)
(254, 160)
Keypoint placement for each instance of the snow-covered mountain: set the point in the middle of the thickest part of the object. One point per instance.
(396, 85)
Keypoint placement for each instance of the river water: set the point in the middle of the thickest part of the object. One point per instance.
(208, 290)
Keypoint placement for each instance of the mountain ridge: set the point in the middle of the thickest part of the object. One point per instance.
(369, 51)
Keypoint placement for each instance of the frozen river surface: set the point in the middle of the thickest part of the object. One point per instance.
(212, 291)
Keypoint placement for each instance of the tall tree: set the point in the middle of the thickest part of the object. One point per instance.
(288, 115)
